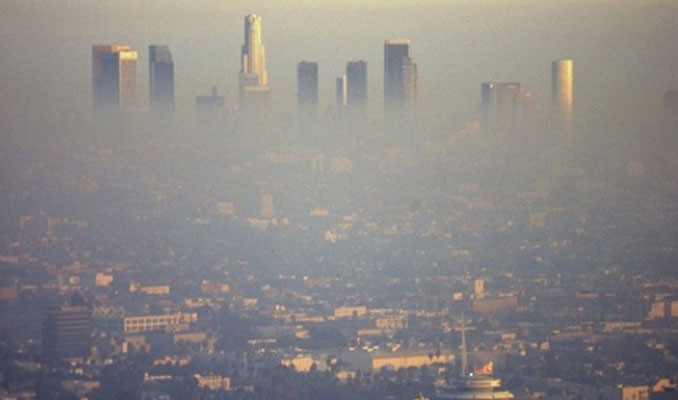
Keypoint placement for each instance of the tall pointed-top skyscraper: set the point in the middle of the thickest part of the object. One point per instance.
(562, 82)
(400, 79)
(114, 77)
(161, 79)
(253, 53)
(254, 89)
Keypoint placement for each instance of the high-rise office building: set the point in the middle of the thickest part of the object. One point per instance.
(209, 114)
(562, 82)
(499, 106)
(114, 76)
(307, 87)
(410, 85)
(341, 91)
(161, 78)
(253, 53)
(66, 332)
(400, 78)
(356, 86)
(254, 89)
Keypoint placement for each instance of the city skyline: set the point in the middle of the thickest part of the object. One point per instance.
(343, 200)
(445, 85)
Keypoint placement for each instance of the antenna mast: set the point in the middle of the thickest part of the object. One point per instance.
(464, 355)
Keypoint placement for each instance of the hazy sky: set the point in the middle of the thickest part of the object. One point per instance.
(624, 52)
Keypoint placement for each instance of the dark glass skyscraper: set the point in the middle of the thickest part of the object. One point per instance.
(400, 79)
(66, 332)
(307, 87)
(356, 86)
(161, 79)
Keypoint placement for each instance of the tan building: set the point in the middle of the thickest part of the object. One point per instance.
(674, 309)
(300, 363)
(171, 322)
(657, 310)
(348, 312)
(406, 359)
(156, 290)
(213, 382)
(479, 288)
(635, 393)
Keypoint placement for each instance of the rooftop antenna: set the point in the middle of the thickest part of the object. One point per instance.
(464, 355)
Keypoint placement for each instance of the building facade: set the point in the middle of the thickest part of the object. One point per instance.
(562, 96)
(307, 87)
(66, 332)
(161, 78)
(254, 90)
(114, 77)
(356, 82)
(401, 89)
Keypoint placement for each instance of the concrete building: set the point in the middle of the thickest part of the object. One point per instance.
(165, 322)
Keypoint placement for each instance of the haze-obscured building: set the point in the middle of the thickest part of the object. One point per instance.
(161, 79)
(356, 88)
(209, 113)
(562, 95)
(400, 79)
(255, 94)
(500, 108)
(114, 77)
(66, 332)
(307, 88)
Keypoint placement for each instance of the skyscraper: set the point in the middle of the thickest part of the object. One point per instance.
(410, 85)
(562, 95)
(341, 91)
(114, 76)
(253, 53)
(161, 78)
(307, 87)
(209, 114)
(499, 106)
(66, 332)
(356, 87)
(254, 89)
(400, 78)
